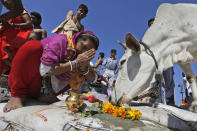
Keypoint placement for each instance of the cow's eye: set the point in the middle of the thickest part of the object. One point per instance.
(122, 62)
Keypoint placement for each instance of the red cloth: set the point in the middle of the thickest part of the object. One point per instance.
(24, 78)
(14, 38)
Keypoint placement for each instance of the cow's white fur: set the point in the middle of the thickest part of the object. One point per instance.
(172, 38)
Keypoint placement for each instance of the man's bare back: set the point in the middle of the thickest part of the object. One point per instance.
(38, 33)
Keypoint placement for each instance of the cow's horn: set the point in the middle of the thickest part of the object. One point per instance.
(122, 44)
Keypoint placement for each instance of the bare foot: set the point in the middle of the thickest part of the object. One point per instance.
(12, 104)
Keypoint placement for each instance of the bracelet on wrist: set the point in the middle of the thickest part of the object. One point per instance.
(77, 64)
(86, 72)
(74, 64)
(71, 67)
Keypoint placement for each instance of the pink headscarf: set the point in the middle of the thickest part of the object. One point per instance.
(55, 50)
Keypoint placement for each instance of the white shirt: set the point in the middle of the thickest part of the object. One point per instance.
(56, 84)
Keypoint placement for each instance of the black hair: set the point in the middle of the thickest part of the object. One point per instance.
(149, 21)
(85, 37)
(84, 7)
(37, 15)
(113, 50)
(102, 54)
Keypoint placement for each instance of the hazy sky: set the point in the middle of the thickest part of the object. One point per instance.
(110, 20)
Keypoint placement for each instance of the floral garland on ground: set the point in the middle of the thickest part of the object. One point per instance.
(123, 113)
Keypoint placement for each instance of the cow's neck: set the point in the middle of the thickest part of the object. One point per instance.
(168, 52)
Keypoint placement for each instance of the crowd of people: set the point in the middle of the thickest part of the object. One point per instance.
(29, 56)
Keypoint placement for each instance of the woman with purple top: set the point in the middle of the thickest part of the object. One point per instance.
(50, 58)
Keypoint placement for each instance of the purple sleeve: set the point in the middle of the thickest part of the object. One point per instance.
(54, 49)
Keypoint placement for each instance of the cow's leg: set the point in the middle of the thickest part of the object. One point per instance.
(186, 67)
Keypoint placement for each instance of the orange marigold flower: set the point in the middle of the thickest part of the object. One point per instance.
(115, 108)
(123, 114)
(121, 111)
(110, 111)
(106, 107)
(115, 113)
(132, 114)
(138, 114)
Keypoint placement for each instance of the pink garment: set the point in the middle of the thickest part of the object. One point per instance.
(55, 50)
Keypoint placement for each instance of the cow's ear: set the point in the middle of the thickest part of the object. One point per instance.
(132, 43)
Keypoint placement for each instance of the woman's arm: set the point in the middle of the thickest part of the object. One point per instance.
(62, 68)
(27, 22)
(81, 60)
(90, 75)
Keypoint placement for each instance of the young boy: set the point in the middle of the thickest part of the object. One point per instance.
(38, 33)
(98, 65)
(72, 23)
(110, 68)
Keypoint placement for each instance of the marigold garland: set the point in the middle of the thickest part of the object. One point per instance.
(121, 112)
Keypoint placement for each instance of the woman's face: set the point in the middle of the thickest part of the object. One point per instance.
(9, 4)
(83, 46)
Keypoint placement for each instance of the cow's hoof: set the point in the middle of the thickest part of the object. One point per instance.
(193, 106)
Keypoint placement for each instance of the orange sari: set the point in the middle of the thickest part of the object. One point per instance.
(13, 38)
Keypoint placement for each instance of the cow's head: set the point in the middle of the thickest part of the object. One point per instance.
(136, 70)
(171, 41)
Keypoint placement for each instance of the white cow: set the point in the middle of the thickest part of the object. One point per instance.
(172, 38)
